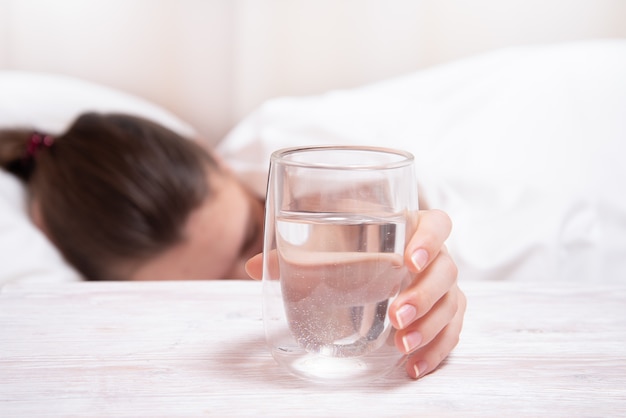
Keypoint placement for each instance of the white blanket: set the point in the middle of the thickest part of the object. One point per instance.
(523, 147)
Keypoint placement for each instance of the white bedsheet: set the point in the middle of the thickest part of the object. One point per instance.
(523, 147)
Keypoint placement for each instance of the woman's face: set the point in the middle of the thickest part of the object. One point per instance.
(220, 236)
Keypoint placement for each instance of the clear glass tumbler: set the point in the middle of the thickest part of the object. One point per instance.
(336, 224)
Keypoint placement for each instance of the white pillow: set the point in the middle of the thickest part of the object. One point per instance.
(50, 103)
(523, 147)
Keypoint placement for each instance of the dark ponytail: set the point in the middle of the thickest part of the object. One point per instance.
(113, 190)
(18, 149)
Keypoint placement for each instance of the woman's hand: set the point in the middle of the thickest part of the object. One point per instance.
(428, 314)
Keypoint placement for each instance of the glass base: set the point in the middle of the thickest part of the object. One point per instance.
(320, 368)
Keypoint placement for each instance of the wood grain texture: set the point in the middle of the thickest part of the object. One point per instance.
(170, 349)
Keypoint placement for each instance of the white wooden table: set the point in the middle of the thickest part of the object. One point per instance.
(183, 349)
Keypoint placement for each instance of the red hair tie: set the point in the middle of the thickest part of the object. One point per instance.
(36, 141)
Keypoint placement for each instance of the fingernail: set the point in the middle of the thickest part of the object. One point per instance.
(419, 258)
(419, 368)
(405, 315)
(411, 341)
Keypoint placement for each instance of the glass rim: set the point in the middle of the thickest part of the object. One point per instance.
(406, 158)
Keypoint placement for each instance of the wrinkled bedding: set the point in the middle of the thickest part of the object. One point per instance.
(523, 147)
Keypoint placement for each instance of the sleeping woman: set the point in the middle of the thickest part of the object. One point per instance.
(124, 198)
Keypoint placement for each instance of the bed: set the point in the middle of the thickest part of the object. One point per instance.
(522, 146)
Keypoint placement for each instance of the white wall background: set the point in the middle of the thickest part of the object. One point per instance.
(213, 61)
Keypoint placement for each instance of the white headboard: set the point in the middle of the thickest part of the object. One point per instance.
(211, 62)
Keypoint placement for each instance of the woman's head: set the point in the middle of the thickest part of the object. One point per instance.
(113, 191)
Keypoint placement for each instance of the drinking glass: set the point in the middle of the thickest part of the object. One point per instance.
(336, 224)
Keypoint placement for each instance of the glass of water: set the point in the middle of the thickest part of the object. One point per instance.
(336, 224)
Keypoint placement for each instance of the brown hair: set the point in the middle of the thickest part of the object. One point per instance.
(113, 190)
